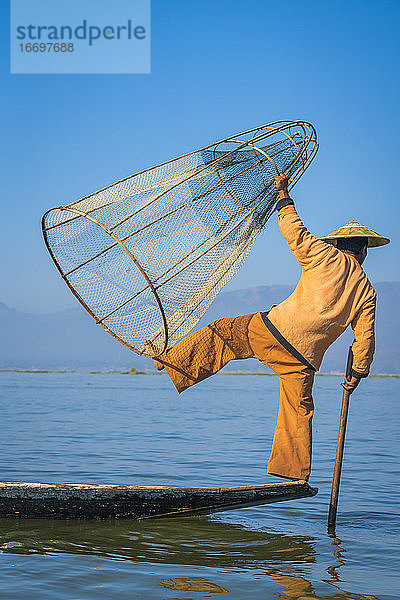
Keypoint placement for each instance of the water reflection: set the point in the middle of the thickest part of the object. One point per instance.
(195, 541)
(192, 584)
(200, 541)
(297, 587)
(337, 553)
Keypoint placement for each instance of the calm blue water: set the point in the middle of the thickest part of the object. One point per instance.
(136, 430)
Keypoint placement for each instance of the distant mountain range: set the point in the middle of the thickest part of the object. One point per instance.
(71, 339)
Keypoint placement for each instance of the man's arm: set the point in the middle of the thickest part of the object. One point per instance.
(307, 249)
(363, 326)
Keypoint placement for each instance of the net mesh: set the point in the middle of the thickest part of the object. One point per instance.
(147, 255)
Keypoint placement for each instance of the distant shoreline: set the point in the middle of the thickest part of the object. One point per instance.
(136, 372)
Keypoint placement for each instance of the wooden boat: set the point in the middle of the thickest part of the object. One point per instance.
(89, 501)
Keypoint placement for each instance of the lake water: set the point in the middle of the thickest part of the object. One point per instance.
(136, 430)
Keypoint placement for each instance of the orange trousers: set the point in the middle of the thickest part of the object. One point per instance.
(208, 350)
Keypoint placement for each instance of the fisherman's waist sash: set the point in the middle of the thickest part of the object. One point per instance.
(283, 341)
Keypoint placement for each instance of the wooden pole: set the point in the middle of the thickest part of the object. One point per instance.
(340, 449)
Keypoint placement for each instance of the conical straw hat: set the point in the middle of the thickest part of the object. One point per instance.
(354, 229)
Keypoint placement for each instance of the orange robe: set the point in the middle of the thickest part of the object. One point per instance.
(332, 293)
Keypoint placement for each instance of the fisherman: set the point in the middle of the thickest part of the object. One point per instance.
(292, 337)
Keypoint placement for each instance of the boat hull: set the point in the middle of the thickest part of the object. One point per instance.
(88, 501)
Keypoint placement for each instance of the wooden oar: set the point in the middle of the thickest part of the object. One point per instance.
(339, 449)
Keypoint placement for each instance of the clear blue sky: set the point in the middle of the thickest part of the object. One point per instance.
(218, 67)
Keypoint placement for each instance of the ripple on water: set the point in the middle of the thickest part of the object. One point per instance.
(122, 429)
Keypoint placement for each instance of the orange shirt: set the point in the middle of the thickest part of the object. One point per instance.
(333, 292)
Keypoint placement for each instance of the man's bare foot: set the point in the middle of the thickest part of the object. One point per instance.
(298, 479)
(149, 347)
(158, 364)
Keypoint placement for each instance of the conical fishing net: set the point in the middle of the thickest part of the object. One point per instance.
(147, 255)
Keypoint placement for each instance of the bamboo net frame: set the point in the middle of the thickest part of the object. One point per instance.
(147, 255)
